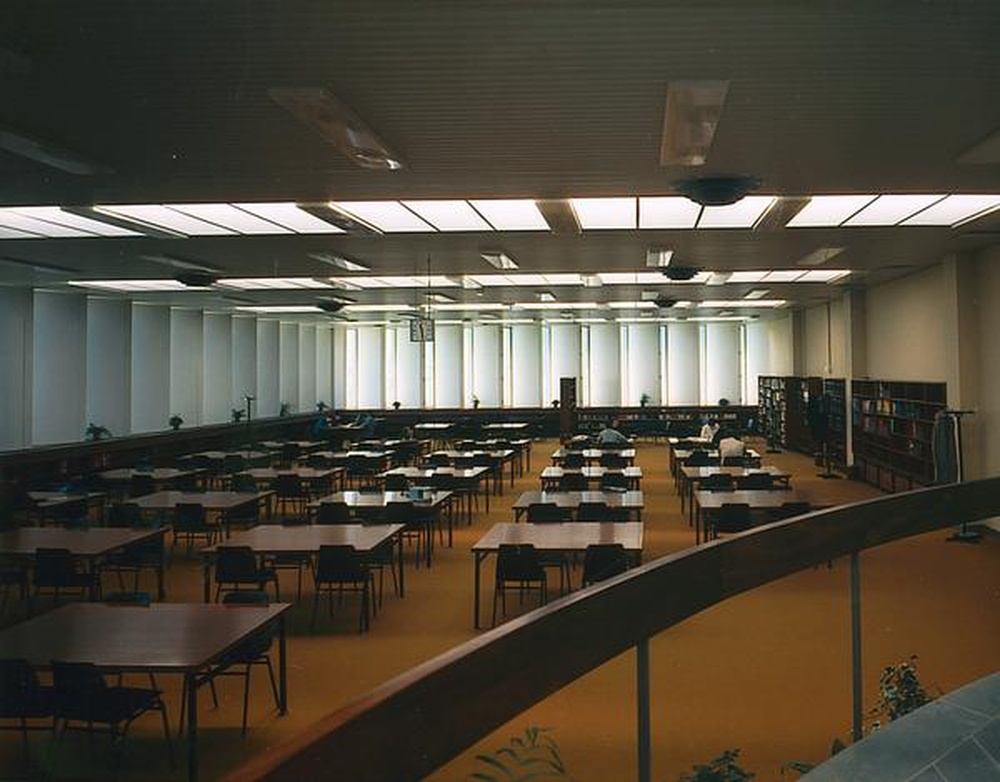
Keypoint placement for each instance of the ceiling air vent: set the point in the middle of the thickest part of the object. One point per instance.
(680, 273)
(197, 279)
(717, 191)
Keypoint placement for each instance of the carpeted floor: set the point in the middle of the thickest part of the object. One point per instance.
(767, 672)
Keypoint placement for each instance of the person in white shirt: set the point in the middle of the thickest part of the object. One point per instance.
(709, 429)
(730, 448)
(609, 435)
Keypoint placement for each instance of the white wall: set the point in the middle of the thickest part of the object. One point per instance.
(768, 352)
(217, 396)
(722, 363)
(605, 365)
(370, 366)
(244, 362)
(448, 367)
(486, 364)
(59, 368)
(109, 360)
(16, 336)
(643, 375)
(324, 364)
(307, 368)
(268, 377)
(187, 365)
(683, 365)
(150, 367)
(526, 365)
(564, 353)
(409, 369)
(288, 366)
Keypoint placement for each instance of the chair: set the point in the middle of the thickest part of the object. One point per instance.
(573, 481)
(289, 490)
(416, 526)
(124, 514)
(593, 511)
(13, 574)
(141, 484)
(573, 460)
(614, 481)
(362, 470)
(755, 480)
(546, 513)
(518, 565)
(437, 460)
(334, 513)
(134, 558)
(396, 482)
(720, 481)
(23, 698)
(189, 482)
(82, 695)
(236, 567)
(233, 463)
(190, 523)
(613, 461)
(243, 516)
(341, 568)
(290, 561)
(790, 509)
(56, 570)
(241, 660)
(602, 561)
(698, 458)
(732, 517)
(74, 514)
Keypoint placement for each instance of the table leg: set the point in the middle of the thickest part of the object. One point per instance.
(191, 693)
(478, 561)
(698, 520)
(161, 589)
(399, 548)
(282, 666)
(206, 578)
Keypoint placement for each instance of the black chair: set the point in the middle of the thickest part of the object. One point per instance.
(190, 522)
(13, 574)
(141, 484)
(593, 511)
(613, 461)
(614, 481)
(56, 570)
(698, 458)
(603, 560)
(721, 481)
(790, 509)
(396, 482)
(83, 696)
(296, 561)
(236, 567)
(134, 558)
(190, 482)
(124, 514)
(518, 565)
(74, 514)
(241, 660)
(23, 698)
(437, 460)
(573, 481)
(342, 569)
(334, 513)
(233, 463)
(290, 491)
(573, 460)
(731, 517)
(547, 513)
(755, 480)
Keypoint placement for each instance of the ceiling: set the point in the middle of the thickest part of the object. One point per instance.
(497, 100)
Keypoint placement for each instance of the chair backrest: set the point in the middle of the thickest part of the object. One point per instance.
(141, 484)
(396, 482)
(188, 482)
(613, 460)
(717, 482)
(333, 513)
(614, 480)
(53, 566)
(233, 462)
(573, 481)
(603, 560)
(189, 515)
(755, 480)
(437, 460)
(79, 688)
(518, 562)
(339, 563)
(733, 517)
(124, 515)
(243, 482)
(573, 459)
(790, 509)
(593, 511)
(398, 513)
(129, 598)
(698, 458)
(256, 597)
(318, 462)
(542, 512)
(235, 563)
(69, 512)
(19, 687)
(288, 484)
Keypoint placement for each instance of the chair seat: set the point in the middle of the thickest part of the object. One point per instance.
(116, 704)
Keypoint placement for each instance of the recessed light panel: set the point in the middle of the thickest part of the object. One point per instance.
(291, 217)
(133, 286)
(892, 209)
(743, 214)
(272, 283)
(11, 233)
(160, 217)
(511, 214)
(820, 255)
(230, 217)
(823, 275)
(604, 213)
(724, 303)
(449, 215)
(386, 216)
(556, 305)
(632, 305)
(53, 214)
(281, 309)
(12, 219)
(955, 210)
(498, 259)
(380, 308)
(757, 293)
(668, 212)
(459, 306)
(784, 275)
(829, 211)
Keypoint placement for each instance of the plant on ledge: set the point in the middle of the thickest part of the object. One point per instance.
(724, 768)
(396, 405)
(535, 755)
(644, 400)
(475, 401)
(236, 415)
(175, 422)
(96, 432)
(900, 692)
(321, 406)
(285, 409)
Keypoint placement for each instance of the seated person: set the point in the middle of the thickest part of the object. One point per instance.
(610, 435)
(709, 429)
(730, 448)
(320, 429)
(367, 424)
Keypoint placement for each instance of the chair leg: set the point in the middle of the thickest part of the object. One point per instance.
(246, 698)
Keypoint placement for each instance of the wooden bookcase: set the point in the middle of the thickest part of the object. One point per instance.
(836, 437)
(784, 413)
(893, 425)
(771, 409)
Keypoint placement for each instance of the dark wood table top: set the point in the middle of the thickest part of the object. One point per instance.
(594, 453)
(379, 499)
(216, 456)
(593, 471)
(92, 542)
(174, 637)
(307, 538)
(694, 473)
(680, 454)
(343, 455)
(53, 499)
(305, 445)
(416, 473)
(211, 500)
(564, 536)
(434, 426)
(760, 499)
(499, 453)
(572, 499)
(270, 473)
(509, 426)
(156, 473)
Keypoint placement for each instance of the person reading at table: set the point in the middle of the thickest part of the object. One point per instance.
(709, 429)
(610, 435)
(730, 448)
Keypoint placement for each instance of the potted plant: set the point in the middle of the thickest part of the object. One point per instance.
(321, 406)
(175, 422)
(533, 755)
(96, 432)
(475, 402)
(899, 691)
(644, 400)
(396, 405)
(285, 409)
(724, 768)
(236, 415)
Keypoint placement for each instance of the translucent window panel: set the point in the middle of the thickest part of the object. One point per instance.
(59, 368)
(244, 363)
(605, 365)
(288, 362)
(109, 342)
(486, 364)
(409, 369)
(526, 365)
(683, 364)
(643, 375)
(447, 366)
(324, 365)
(564, 354)
(723, 374)
(307, 367)
(150, 371)
(268, 385)
(217, 396)
(371, 362)
(187, 365)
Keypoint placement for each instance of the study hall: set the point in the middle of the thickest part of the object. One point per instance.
(449, 391)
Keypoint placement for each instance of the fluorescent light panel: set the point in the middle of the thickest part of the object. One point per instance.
(498, 259)
(481, 306)
(955, 210)
(557, 305)
(632, 305)
(12, 219)
(163, 218)
(133, 286)
(386, 216)
(291, 217)
(743, 214)
(891, 209)
(449, 215)
(757, 293)
(289, 309)
(820, 255)
(604, 213)
(272, 283)
(828, 211)
(53, 214)
(511, 214)
(379, 308)
(231, 218)
(724, 303)
(668, 212)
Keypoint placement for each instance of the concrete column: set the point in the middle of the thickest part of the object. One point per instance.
(16, 318)
(109, 364)
(59, 368)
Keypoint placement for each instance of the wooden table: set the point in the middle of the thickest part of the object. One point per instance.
(688, 477)
(496, 458)
(162, 476)
(219, 456)
(372, 504)
(591, 455)
(468, 478)
(219, 502)
(90, 545)
(551, 476)
(266, 475)
(631, 501)
(680, 456)
(757, 499)
(183, 638)
(271, 539)
(46, 501)
(566, 537)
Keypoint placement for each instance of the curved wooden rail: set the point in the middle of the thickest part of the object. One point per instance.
(448, 703)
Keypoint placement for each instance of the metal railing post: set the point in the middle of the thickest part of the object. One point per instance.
(642, 701)
(856, 645)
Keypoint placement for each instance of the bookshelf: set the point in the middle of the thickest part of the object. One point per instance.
(771, 409)
(893, 425)
(835, 390)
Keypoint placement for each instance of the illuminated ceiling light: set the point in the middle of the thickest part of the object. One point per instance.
(829, 211)
(824, 275)
(718, 278)
(469, 283)
(784, 275)
(757, 293)
(604, 213)
(132, 286)
(723, 303)
(563, 279)
(632, 305)
(439, 298)
(591, 280)
(11, 233)
(892, 209)
(546, 296)
(557, 305)
(272, 283)
(449, 215)
(657, 258)
(336, 122)
(280, 309)
(736, 278)
(668, 212)
(955, 210)
(470, 306)
(58, 216)
(690, 117)
(524, 279)
(820, 255)
(743, 214)
(380, 308)
(386, 216)
(32, 227)
(631, 278)
(290, 216)
(230, 217)
(162, 218)
(511, 214)
(498, 259)
(339, 261)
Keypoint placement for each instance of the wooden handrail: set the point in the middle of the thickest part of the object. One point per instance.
(448, 703)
